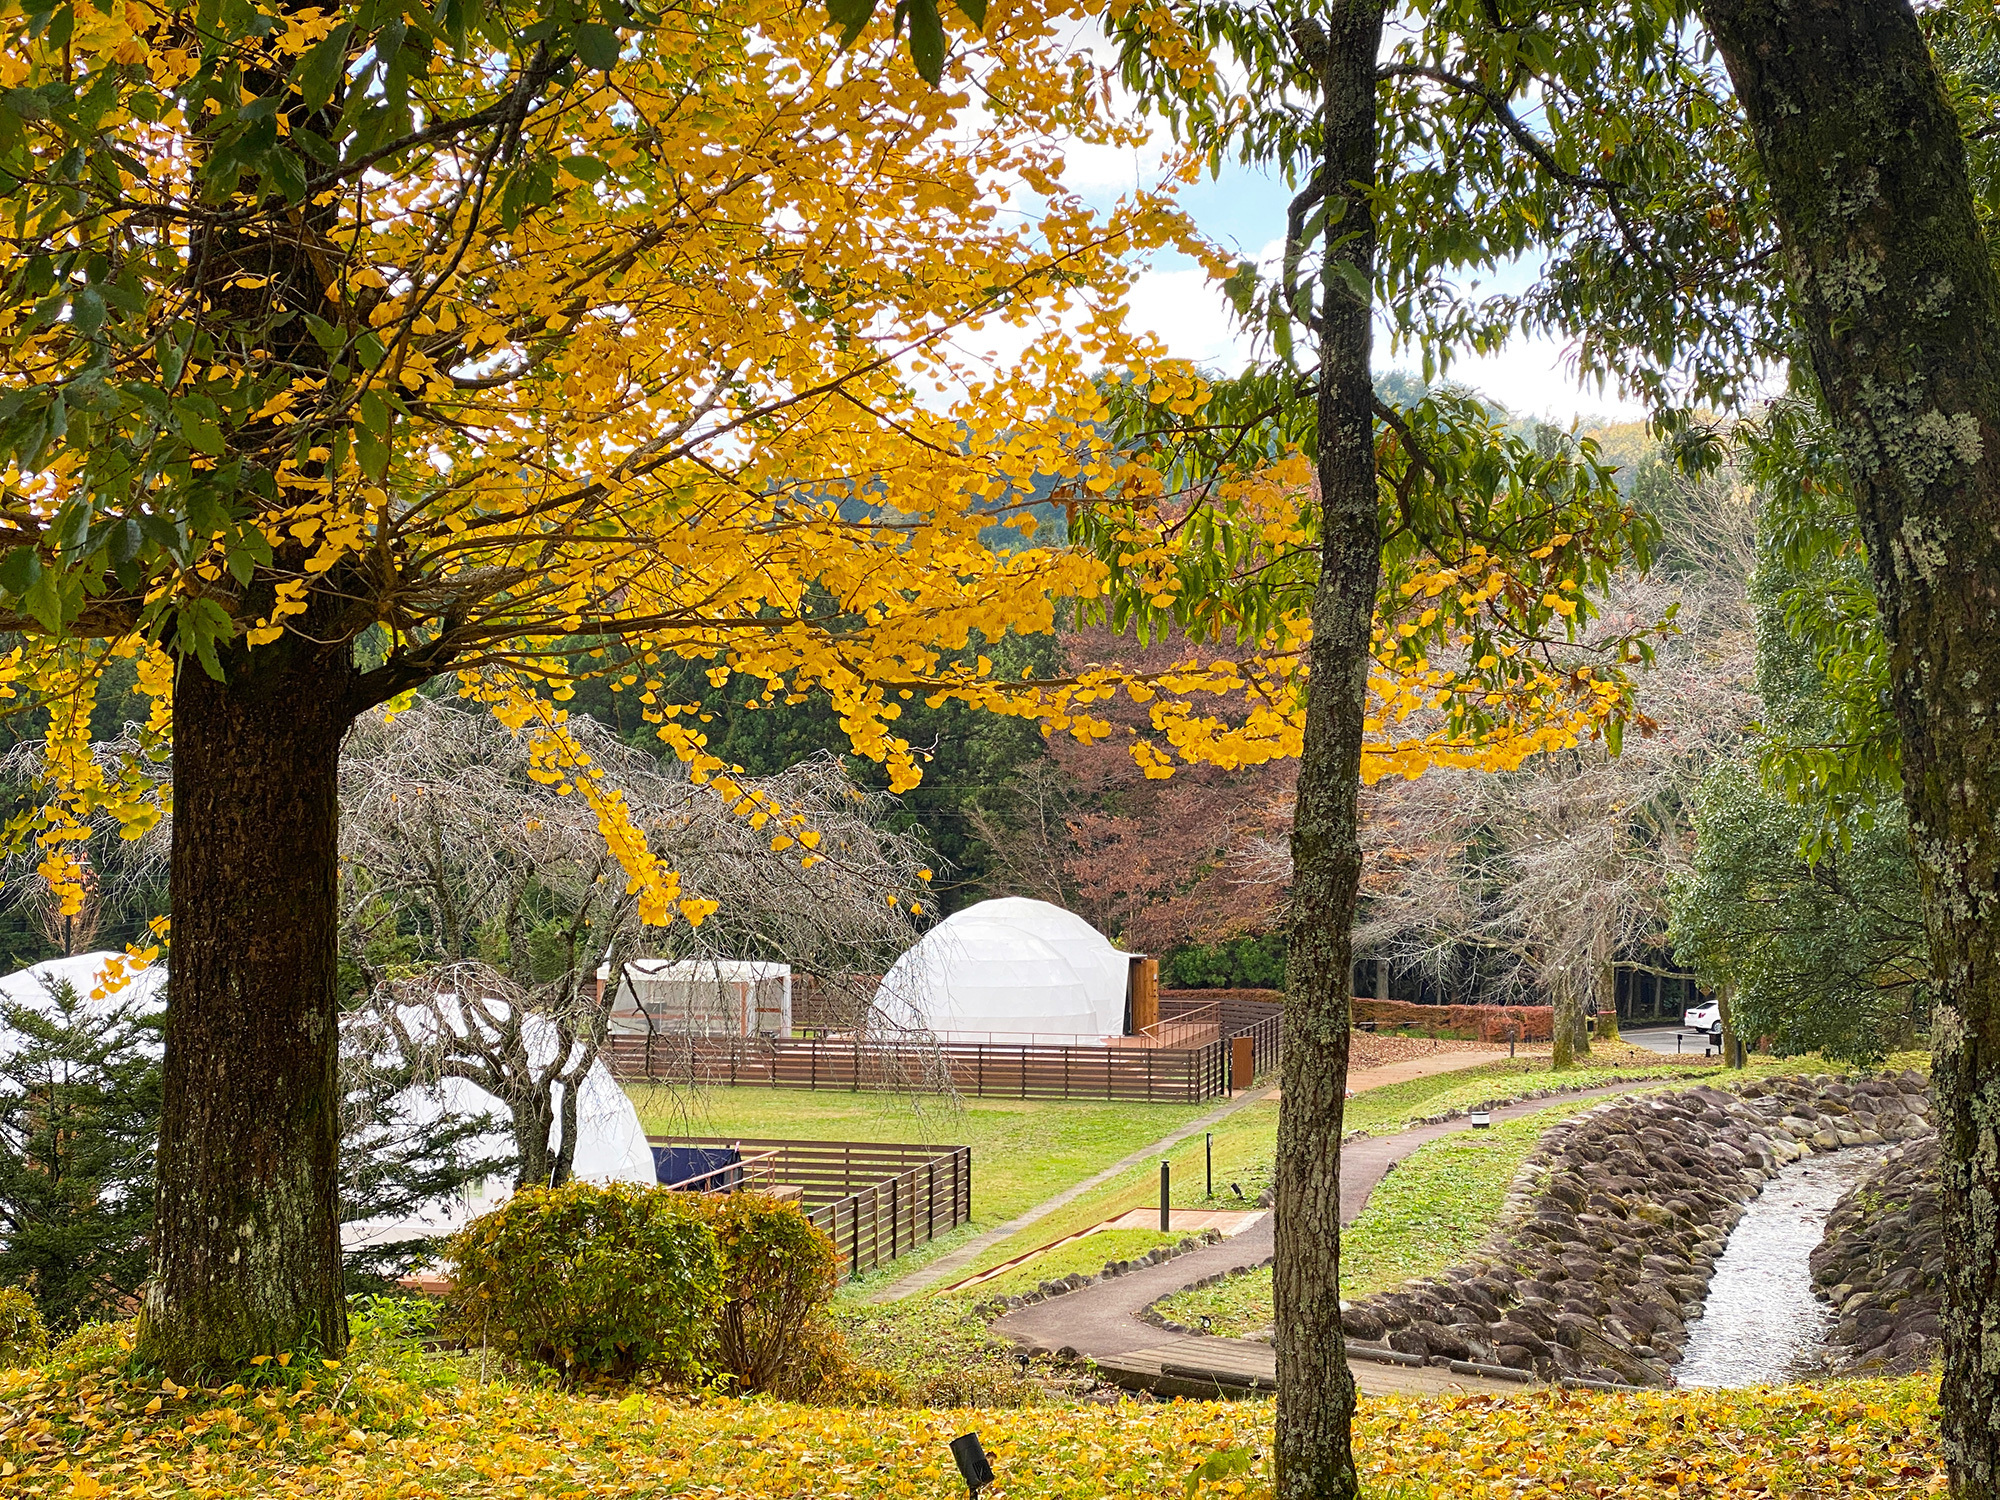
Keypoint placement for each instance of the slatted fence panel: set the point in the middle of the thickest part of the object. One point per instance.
(983, 1069)
(875, 1201)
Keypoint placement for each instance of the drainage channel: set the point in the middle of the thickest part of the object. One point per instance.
(1761, 1324)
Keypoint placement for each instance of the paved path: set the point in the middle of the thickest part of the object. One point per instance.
(946, 1266)
(1102, 1320)
(1672, 1041)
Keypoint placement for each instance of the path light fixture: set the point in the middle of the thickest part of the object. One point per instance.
(972, 1462)
(1236, 1188)
(1482, 1118)
(1166, 1210)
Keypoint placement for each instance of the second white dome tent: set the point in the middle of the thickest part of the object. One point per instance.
(1008, 968)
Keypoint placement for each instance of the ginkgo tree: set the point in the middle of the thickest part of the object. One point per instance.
(347, 346)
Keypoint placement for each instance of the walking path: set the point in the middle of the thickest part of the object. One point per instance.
(947, 1266)
(1101, 1321)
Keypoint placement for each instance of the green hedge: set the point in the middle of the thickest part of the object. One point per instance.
(623, 1280)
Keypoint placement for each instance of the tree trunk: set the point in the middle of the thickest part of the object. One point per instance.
(246, 1256)
(1565, 1019)
(1604, 981)
(1895, 292)
(1314, 1449)
(1731, 1048)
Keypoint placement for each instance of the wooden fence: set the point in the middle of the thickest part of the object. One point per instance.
(1237, 1013)
(1131, 1068)
(983, 1069)
(875, 1201)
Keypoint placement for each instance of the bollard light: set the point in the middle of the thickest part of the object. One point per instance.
(972, 1462)
(1482, 1118)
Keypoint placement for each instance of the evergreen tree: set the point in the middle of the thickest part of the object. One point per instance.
(79, 1119)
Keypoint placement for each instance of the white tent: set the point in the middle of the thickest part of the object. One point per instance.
(1104, 970)
(611, 1145)
(705, 996)
(141, 987)
(1006, 969)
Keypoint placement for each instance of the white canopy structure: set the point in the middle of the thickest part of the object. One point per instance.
(702, 996)
(1009, 968)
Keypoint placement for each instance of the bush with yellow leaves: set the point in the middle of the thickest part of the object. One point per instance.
(622, 1281)
(613, 1280)
(23, 1338)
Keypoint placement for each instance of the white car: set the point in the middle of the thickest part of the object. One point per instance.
(1706, 1016)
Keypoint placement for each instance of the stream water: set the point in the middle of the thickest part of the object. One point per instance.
(1761, 1324)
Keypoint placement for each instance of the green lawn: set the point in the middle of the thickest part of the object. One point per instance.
(1023, 1150)
(1428, 1214)
(1090, 1255)
(1246, 1141)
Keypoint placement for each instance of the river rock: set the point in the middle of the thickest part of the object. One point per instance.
(1618, 1218)
(1880, 1264)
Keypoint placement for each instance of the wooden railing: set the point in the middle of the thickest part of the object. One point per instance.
(985, 1070)
(1184, 1060)
(876, 1201)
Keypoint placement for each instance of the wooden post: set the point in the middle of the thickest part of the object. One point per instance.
(1145, 989)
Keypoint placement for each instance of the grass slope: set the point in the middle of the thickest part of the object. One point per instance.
(1023, 1150)
(1427, 1214)
(1245, 1143)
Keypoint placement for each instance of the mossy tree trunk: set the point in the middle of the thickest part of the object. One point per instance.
(246, 1245)
(1314, 1450)
(1896, 294)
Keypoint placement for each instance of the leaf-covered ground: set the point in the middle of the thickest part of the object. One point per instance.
(386, 1436)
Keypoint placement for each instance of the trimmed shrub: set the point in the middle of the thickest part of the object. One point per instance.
(594, 1280)
(779, 1273)
(23, 1338)
(1478, 1023)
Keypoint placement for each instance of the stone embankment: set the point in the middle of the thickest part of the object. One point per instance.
(1604, 1250)
(1881, 1266)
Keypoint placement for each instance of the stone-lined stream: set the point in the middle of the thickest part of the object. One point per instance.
(1761, 1323)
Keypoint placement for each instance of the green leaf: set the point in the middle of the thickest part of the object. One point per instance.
(86, 310)
(375, 414)
(19, 569)
(26, 103)
(329, 338)
(973, 11)
(596, 45)
(584, 168)
(851, 16)
(43, 600)
(199, 428)
(927, 41)
(368, 349)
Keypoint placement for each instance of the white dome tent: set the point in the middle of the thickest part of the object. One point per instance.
(1009, 969)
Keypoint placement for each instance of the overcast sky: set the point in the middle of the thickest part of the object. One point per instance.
(1246, 212)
